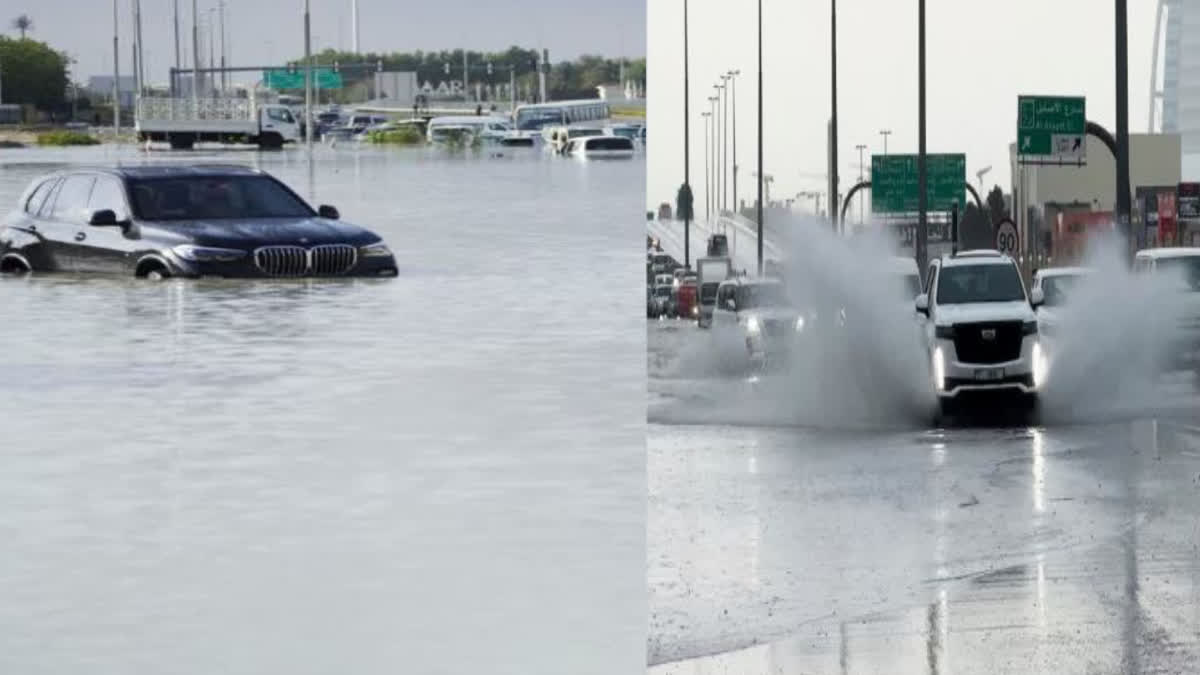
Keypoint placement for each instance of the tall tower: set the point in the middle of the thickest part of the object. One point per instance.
(1174, 97)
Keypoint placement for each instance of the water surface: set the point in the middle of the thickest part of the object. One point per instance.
(439, 473)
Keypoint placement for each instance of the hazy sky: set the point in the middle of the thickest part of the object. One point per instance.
(979, 56)
(262, 31)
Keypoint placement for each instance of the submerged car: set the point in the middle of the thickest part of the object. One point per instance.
(182, 221)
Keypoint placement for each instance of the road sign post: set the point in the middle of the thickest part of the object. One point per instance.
(1008, 241)
(1051, 129)
(894, 183)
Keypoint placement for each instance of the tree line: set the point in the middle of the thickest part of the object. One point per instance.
(33, 73)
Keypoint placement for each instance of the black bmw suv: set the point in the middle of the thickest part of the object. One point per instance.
(187, 221)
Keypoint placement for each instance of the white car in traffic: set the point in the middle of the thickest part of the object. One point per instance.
(980, 328)
(1055, 284)
(758, 313)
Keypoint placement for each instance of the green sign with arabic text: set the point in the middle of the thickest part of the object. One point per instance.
(284, 78)
(1052, 128)
(894, 183)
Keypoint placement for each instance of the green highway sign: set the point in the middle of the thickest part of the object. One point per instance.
(894, 183)
(1051, 128)
(282, 78)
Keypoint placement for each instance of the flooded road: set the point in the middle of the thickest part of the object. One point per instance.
(780, 545)
(439, 473)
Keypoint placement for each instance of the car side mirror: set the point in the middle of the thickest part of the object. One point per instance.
(327, 211)
(922, 304)
(103, 218)
(1037, 297)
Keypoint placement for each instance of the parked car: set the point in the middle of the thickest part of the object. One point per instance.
(182, 221)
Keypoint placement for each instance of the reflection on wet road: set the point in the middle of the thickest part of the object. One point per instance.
(899, 549)
(359, 476)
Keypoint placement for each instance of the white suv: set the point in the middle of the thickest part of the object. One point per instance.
(980, 327)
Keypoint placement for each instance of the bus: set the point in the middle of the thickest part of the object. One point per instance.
(535, 117)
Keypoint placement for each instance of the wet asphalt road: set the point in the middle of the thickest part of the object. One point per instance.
(784, 547)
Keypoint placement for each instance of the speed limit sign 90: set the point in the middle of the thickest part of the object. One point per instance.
(1006, 238)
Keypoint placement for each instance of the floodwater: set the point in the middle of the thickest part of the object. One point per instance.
(779, 543)
(439, 473)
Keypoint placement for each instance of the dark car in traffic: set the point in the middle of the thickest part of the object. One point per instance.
(160, 221)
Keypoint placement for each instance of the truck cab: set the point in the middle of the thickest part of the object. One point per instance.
(278, 119)
(710, 272)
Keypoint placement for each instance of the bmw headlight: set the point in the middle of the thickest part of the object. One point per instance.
(799, 324)
(207, 254)
(753, 326)
(376, 250)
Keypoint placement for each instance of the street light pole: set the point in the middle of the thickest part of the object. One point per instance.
(687, 139)
(725, 142)
(719, 157)
(224, 75)
(195, 59)
(307, 76)
(885, 133)
(707, 177)
(733, 94)
(860, 147)
(116, 76)
(760, 141)
(1122, 68)
(833, 115)
(922, 198)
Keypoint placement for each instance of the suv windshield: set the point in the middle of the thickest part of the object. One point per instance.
(760, 295)
(959, 284)
(1187, 268)
(1058, 287)
(214, 197)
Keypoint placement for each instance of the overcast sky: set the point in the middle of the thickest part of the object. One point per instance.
(979, 56)
(270, 31)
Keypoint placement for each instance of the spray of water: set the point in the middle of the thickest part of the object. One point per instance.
(1113, 340)
(862, 362)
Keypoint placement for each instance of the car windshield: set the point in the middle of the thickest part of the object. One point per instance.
(533, 120)
(1186, 268)
(979, 283)
(1055, 289)
(760, 296)
(214, 197)
(663, 291)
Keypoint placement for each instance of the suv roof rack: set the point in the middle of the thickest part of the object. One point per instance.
(978, 253)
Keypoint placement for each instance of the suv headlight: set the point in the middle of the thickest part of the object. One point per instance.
(944, 332)
(207, 254)
(376, 250)
(753, 326)
(1029, 328)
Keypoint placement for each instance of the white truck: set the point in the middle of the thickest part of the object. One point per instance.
(710, 272)
(183, 122)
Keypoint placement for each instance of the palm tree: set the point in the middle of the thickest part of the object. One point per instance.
(23, 23)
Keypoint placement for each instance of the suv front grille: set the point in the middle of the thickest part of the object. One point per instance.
(972, 347)
(775, 327)
(297, 261)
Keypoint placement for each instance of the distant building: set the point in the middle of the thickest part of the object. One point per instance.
(1176, 106)
(100, 87)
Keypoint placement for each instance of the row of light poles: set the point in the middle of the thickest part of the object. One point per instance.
(722, 160)
(1122, 132)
